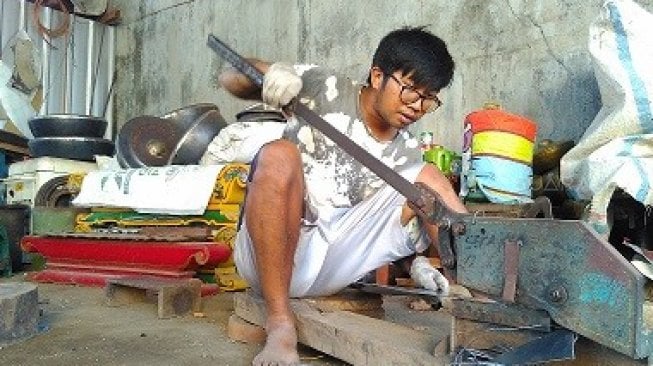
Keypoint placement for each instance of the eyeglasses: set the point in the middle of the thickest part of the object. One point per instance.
(408, 95)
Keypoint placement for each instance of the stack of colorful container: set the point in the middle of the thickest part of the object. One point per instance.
(501, 146)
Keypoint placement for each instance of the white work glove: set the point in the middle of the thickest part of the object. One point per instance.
(426, 276)
(280, 84)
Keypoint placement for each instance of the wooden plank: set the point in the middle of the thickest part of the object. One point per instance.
(14, 149)
(13, 144)
(175, 297)
(116, 295)
(354, 338)
(352, 300)
(239, 329)
(382, 275)
(178, 300)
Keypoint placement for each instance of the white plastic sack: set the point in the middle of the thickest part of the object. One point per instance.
(172, 190)
(16, 105)
(239, 142)
(617, 148)
(107, 162)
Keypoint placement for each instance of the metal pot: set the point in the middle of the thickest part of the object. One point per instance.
(67, 125)
(147, 141)
(186, 116)
(260, 113)
(121, 159)
(548, 153)
(74, 148)
(197, 138)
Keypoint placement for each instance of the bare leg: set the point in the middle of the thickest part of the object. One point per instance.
(273, 214)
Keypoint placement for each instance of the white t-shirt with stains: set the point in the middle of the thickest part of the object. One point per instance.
(334, 180)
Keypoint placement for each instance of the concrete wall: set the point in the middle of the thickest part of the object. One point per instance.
(529, 55)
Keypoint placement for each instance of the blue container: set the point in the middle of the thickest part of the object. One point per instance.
(502, 180)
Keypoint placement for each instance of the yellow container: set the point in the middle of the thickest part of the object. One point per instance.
(503, 144)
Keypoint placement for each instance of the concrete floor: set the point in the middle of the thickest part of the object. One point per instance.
(82, 330)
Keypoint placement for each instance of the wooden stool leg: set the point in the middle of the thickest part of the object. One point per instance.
(383, 275)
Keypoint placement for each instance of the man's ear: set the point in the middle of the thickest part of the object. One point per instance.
(376, 77)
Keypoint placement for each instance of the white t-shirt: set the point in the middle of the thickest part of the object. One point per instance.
(334, 180)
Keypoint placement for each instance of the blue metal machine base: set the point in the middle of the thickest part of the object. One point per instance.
(562, 267)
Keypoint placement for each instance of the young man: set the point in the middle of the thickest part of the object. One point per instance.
(316, 220)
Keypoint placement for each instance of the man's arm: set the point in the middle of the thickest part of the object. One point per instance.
(280, 84)
(240, 85)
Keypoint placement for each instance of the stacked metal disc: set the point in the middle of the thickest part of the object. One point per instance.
(69, 136)
(179, 137)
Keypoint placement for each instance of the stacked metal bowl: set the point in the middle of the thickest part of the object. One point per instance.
(179, 137)
(69, 136)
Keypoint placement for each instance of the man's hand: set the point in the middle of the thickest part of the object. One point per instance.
(280, 85)
(426, 276)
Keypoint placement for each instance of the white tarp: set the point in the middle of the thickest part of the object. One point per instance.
(240, 141)
(172, 190)
(617, 148)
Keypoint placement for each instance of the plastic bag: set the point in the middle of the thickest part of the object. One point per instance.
(617, 148)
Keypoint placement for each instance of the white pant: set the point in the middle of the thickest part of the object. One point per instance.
(331, 254)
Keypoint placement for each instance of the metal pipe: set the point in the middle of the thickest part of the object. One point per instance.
(2, 43)
(45, 75)
(21, 21)
(70, 61)
(98, 62)
(111, 65)
(90, 46)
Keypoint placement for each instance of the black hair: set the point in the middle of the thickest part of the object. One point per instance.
(415, 51)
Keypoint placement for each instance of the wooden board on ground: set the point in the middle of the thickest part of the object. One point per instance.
(175, 297)
(239, 329)
(351, 337)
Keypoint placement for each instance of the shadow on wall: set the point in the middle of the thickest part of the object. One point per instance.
(570, 97)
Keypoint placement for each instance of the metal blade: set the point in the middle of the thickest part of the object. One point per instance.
(555, 346)
(396, 290)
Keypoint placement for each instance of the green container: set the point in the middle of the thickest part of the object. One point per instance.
(445, 160)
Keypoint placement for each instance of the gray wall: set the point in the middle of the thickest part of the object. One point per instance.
(529, 55)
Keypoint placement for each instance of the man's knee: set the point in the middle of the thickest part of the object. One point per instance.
(278, 160)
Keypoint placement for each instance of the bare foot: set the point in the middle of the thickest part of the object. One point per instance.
(281, 344)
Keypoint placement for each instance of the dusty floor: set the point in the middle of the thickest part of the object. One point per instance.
(81, 330)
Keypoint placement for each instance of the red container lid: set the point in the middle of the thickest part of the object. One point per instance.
(498, 120)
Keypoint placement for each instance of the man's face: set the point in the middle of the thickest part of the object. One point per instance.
(398, 101)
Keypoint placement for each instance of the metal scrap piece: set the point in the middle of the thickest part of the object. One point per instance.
(555, 346)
